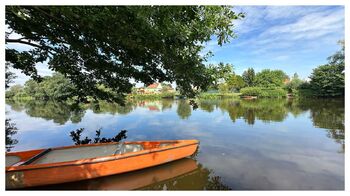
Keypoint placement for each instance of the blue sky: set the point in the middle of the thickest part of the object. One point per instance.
(290, 38)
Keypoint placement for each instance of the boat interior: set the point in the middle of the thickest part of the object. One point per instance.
(81, 152)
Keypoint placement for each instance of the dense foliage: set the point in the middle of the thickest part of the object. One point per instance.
(251, 91)
(55, 87)
(263, 92)
(294, 84)
(329, 80)
(9, 76)
(235, 83)
(249, 77)
(219, 73)
(270, 78)
(110, 45)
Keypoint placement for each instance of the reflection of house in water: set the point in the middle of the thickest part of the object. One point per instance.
(151, 105)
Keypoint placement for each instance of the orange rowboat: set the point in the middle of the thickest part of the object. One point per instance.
(74, 163)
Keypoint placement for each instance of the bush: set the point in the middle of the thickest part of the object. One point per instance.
(217, 95)
(251, 91)
(274, 93)
(263, 92)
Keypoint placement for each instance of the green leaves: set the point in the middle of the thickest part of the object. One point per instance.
(219, 73)
(329, 80)
(270, 78)
(249, 77)
(110, 45)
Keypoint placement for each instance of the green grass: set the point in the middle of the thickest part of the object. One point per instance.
(151, 96)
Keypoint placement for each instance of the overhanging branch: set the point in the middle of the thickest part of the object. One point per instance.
(21, 41)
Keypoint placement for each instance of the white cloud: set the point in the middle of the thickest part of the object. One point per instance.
(282, 12)
(308, 27)
(311, 26)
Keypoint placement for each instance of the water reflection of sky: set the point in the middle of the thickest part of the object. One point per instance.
(291, 154)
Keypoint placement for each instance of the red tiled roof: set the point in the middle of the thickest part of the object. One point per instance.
(154, 85)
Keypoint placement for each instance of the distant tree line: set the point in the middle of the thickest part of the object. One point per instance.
(55, 87)
(325, 81)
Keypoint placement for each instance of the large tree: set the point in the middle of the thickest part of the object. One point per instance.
(235, 82)
(270, 78)
(219, 73)
(55, 87)
(111, 45)
(294, 83)
(329, 80)
(249, 77)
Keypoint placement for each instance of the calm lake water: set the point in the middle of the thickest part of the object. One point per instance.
(276, 144)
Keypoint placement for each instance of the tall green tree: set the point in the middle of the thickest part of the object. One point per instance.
(111, 45)
(329, 80)
(249, 77)
(339, 57)
(235, 82)
(270, 78)
(294, 84)
(219, 73)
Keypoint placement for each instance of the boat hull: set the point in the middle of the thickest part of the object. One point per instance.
(94, 168)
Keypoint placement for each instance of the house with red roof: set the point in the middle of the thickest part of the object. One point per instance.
(154, 88)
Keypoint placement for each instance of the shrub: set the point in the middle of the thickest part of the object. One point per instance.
(251, 91)
(263, 92)
(274, 93)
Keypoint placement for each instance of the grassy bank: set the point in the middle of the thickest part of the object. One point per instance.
(151, 96)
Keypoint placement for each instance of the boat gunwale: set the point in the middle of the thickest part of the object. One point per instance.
(95, 160)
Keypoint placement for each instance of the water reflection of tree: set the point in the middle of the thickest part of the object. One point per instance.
(328, 114)
(61, 112)
(112, 108)
(166, 104)
(184, 109)
(10, 130)
(266, 110)
(325, 113)
(207, 105)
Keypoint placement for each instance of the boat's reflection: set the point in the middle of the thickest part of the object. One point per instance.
(141, 179)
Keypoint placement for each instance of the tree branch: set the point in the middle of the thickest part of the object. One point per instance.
(21, 41)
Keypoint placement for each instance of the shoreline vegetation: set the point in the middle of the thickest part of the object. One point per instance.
(325, 81)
